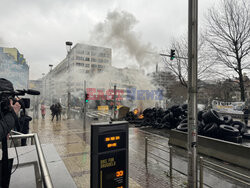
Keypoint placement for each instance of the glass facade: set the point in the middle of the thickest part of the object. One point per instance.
(14, 68)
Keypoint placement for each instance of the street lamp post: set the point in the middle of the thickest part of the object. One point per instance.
(68, 47)
(50, 84)
(44, 86)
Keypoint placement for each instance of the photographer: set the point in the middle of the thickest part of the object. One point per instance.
(10, 106)
(8, 120)
(8, 110)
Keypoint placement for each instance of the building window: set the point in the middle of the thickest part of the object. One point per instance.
(106, 61)
(80, 64)
(100, 66)
(100, 60)
(79, 58)
(87, 59)
(93, 65)
(107, 55)
(86, 65)
(93, 59)
(101, 55)
(80, 51)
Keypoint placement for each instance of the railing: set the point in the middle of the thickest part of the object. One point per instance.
(156, 157)
(234, 175)
(40, 155)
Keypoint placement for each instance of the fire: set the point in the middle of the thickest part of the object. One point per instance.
(141, 116)
(136, 111)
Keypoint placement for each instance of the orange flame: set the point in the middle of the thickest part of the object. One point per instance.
(136, 111)
(141, 116)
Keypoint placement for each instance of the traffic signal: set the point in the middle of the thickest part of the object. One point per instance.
(172, 54)
(86, 98)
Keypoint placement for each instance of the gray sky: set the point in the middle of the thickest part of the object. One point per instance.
(39, 28)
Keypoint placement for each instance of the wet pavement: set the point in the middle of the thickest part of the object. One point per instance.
(72, 142)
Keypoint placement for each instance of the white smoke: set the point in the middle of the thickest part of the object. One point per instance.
(128, 50)
(117, 32)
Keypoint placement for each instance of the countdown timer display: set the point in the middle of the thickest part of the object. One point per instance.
(109, 155)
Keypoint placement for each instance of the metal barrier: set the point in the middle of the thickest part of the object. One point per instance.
(223, 171)
(41, 159)
(170, 152)
(202, 163)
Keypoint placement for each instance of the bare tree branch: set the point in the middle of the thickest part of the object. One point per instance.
(228, 34)
(179, 66)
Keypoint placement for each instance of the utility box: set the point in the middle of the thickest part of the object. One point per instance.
(109, 155)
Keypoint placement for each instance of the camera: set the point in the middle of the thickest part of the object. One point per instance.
(8, 93)
(24, 102)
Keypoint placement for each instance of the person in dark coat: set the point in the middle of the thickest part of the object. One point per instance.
(24, 124)
(246, 113)
(59, 110)
(53, 111)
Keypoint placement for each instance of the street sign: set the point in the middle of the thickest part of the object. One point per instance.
(109, 155)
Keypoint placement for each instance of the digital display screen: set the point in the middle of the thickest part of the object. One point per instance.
(109, 155)
(109, 142)
(112, 170)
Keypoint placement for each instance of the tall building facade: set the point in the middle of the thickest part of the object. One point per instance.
(13, 67)
(82, 62)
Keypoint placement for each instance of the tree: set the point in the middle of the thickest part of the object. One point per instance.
(179, 66)
(228, 34)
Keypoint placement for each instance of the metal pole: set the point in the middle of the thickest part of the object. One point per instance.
(192, 92)
(85, 105)
(68, 102)
(43, 164)
(177, 57)
(41, 159)
(68, 106)
(146, 151)
(45, 91)
(201, 172)
(32, 141)
(37, 107)
(170, 161)
(115, 102)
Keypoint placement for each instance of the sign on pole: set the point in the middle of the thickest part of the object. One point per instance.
(109, 155)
